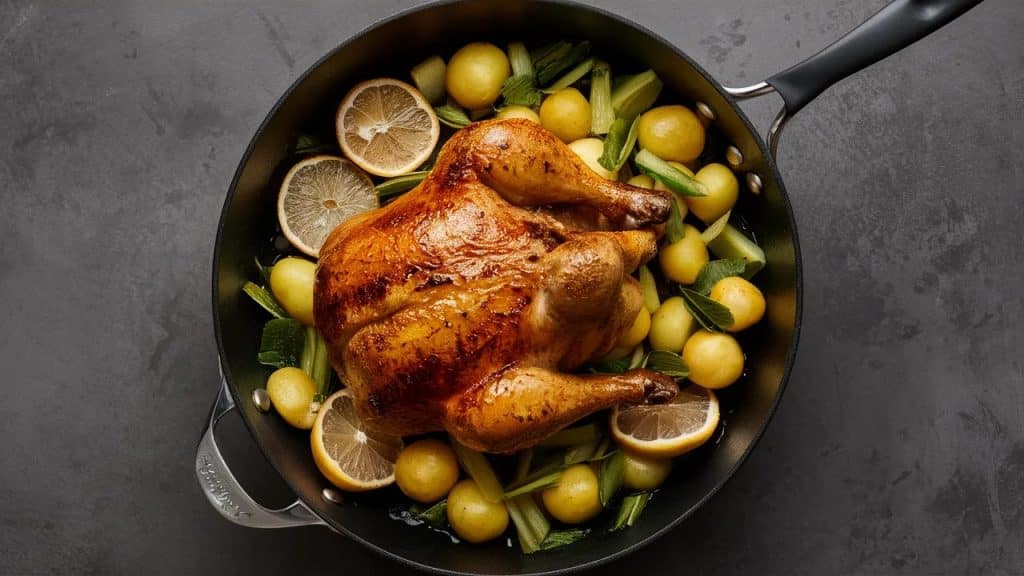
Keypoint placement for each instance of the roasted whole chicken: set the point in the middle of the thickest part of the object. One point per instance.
(466, 304)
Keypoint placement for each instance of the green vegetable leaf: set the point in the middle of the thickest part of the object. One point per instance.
(714, 271)
(262, 296)
(306, 145)
(549, 479)
(676, 180)
(281, 343)
(633, 95)
(571, 77)
(650, 289)
(521, 90)
(434, 515)
(452, 116)
(715, 228)
(617, 366)
(395, 187)
(581, 452)
(552, 61)
(574, 436)
(630, 510)
(710, 314)
(264, 271)
(623, 149)
(558, 538)
(674, 229)
(667, 363)
(613, 470)
(520, 60)
(638, 359)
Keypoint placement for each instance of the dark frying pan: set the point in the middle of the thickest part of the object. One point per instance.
(391, 48)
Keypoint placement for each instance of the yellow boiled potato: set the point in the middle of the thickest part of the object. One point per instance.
(291, 282)
(644, 473)
(744, 300)
(474, 518)
(589, 150)
(681, 261)
(476, 74)
(426, 470)
(575, 498)
(637, 331)
(723, 190)
(714, 358)
(671, 133)
(291, 392)
(516, 111)
(642, 181)
(671, 325)
(566, 114)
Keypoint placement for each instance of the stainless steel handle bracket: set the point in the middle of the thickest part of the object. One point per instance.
(224, 492)
(775, 130)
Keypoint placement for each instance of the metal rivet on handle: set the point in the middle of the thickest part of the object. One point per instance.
(261, 399)
(331, 495)
(734, 157)
(706, 111)
(754, 182)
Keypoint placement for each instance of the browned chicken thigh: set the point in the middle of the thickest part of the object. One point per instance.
(466, 304)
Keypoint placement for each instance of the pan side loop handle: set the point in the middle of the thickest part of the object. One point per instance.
(224, 492)
(894, 27)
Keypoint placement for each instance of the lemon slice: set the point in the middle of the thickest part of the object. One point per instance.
(387, 127)
(352, 457)
(667, 430)
(317, 195)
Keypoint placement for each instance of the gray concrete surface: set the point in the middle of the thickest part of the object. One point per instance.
(899, 448)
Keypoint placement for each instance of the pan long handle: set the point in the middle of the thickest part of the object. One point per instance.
(224, 492)
(894, 27)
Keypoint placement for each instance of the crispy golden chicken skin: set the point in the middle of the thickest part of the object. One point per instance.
(466, 304)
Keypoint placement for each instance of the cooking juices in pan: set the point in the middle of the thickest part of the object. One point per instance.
(699, 289)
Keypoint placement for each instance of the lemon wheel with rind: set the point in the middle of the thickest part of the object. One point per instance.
(667, 430)
(348, 454)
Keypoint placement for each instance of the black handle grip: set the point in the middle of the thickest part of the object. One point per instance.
(892, 28)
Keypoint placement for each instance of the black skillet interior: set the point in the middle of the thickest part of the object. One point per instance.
(248, 224)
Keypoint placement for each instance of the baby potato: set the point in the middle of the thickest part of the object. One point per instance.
(291, 392)
(517, 111)
(642, 473)
(566, 114)
(743, 299)
(681, 261)
(642, 181)
(715, 359)
(474, 518)
(291, 282)
(671, 133)
(476, 74)
(723, 190)
(426, 470)
(589, 150)
(637, 331)
(575, 498)
(671, 325)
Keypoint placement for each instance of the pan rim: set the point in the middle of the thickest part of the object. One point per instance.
(769, 163)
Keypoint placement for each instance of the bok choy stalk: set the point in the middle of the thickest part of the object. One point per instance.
(601, 112)
(314, 362)
(532, 526)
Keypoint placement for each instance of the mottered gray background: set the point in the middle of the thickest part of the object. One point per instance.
(899, 447)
